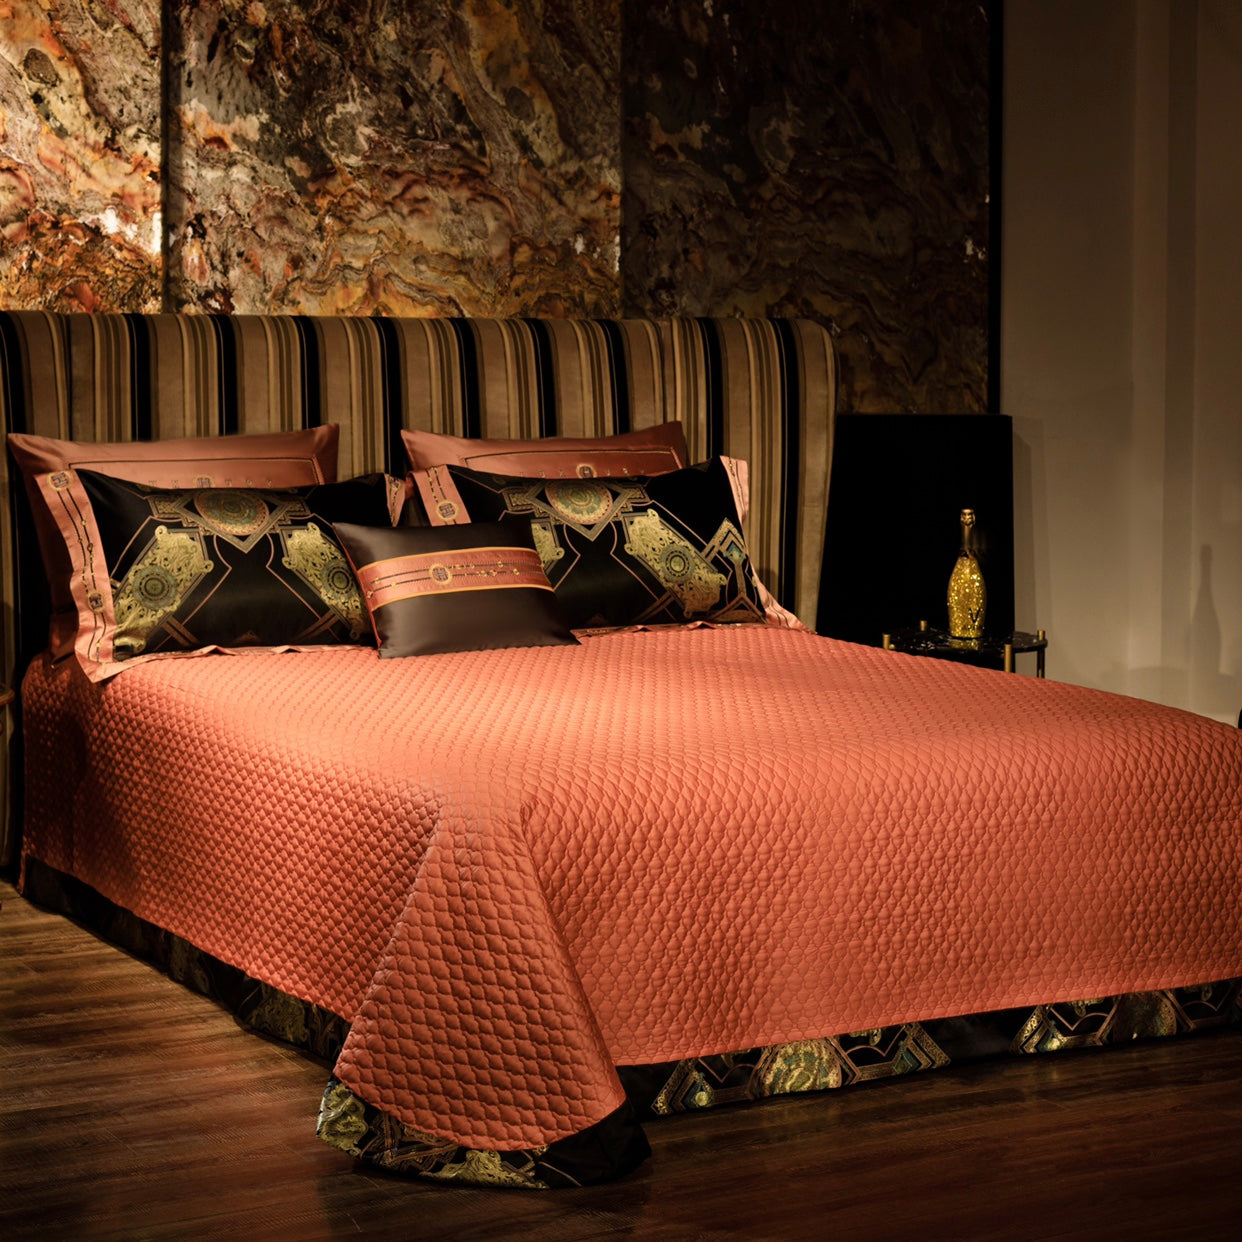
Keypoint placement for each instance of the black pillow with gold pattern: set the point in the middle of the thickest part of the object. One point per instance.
(648, 550)
(189, 568)
(436, 589)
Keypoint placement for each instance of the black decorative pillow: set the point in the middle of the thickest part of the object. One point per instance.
(189, 568)
(432, 589)
(658, 549)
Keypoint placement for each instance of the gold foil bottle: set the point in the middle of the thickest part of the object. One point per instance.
(968, 598)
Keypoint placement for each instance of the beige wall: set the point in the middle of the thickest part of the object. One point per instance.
(1120, 358)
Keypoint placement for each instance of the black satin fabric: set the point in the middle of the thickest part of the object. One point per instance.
(650, 550)
(269, 571)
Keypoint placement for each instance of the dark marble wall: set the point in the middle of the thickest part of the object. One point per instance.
(827, 158)
(824, 158)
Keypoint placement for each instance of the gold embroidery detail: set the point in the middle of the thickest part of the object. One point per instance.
(234, 513)
(588, 508)
(319, 563)
(546, 545)
(729, 543)
(342, 1120)
(805, 1065)
(240, 517)
(679, 566)
(578, 501)
(171, 565)
(483, 1168)
(917, 1051)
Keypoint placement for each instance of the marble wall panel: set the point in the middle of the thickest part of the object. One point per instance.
(415, 157)
(825, 158)
(80, 225)
(401, 157)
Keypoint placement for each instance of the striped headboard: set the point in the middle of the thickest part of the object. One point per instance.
(758, 389)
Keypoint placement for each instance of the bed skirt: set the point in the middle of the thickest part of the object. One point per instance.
(617, 1145)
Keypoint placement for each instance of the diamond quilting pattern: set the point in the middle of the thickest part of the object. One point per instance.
(513, 870)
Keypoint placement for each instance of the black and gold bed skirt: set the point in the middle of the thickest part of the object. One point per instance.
(617, 1144)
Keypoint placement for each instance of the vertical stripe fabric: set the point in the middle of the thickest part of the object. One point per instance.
(758, 389)
(392, 414)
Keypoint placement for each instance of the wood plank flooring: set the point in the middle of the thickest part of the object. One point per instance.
(133, 1109)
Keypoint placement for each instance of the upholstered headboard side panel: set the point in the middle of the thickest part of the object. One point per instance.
(759, 389)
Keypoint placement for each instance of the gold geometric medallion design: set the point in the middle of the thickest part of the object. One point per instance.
(319, 563)
(234, 512)
(579, 501)
(546, 544)
(170, 566)
(237, 516)
(677, 565)
(584, 506)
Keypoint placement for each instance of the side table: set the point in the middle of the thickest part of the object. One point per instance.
(989, 649)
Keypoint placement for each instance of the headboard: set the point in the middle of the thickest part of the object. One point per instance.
(758, 389)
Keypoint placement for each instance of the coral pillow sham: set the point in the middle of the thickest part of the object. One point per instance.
(653, 450)
(177, 571)
(436, 589)
(643, 550)
(277, 459)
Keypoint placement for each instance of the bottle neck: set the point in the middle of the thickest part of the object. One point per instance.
(968, 534)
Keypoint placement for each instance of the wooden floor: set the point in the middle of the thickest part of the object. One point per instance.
(132, 1109)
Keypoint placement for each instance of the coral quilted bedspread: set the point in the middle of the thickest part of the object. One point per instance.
(515, 870)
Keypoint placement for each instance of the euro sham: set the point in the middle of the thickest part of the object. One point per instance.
(277, 459)
(178, 571)
(664, 549)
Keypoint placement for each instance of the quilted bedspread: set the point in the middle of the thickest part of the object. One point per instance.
(515, 870)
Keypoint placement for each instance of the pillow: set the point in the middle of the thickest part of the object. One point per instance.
(659, 549)
(432, 589)
(278, 459)
(654, 450)
(176, 571)
(774, 613)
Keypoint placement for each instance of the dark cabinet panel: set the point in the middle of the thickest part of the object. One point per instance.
(899, 483)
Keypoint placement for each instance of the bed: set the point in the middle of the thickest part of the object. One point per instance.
(603, 830)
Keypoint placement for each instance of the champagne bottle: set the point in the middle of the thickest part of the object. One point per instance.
(967, 595)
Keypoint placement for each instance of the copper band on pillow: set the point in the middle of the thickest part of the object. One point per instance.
(449, 573)
(432, 590)
(440, 497)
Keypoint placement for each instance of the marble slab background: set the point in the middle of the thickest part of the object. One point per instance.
(528, 157)
(401, 157)
(824, 159)
(80, 201)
